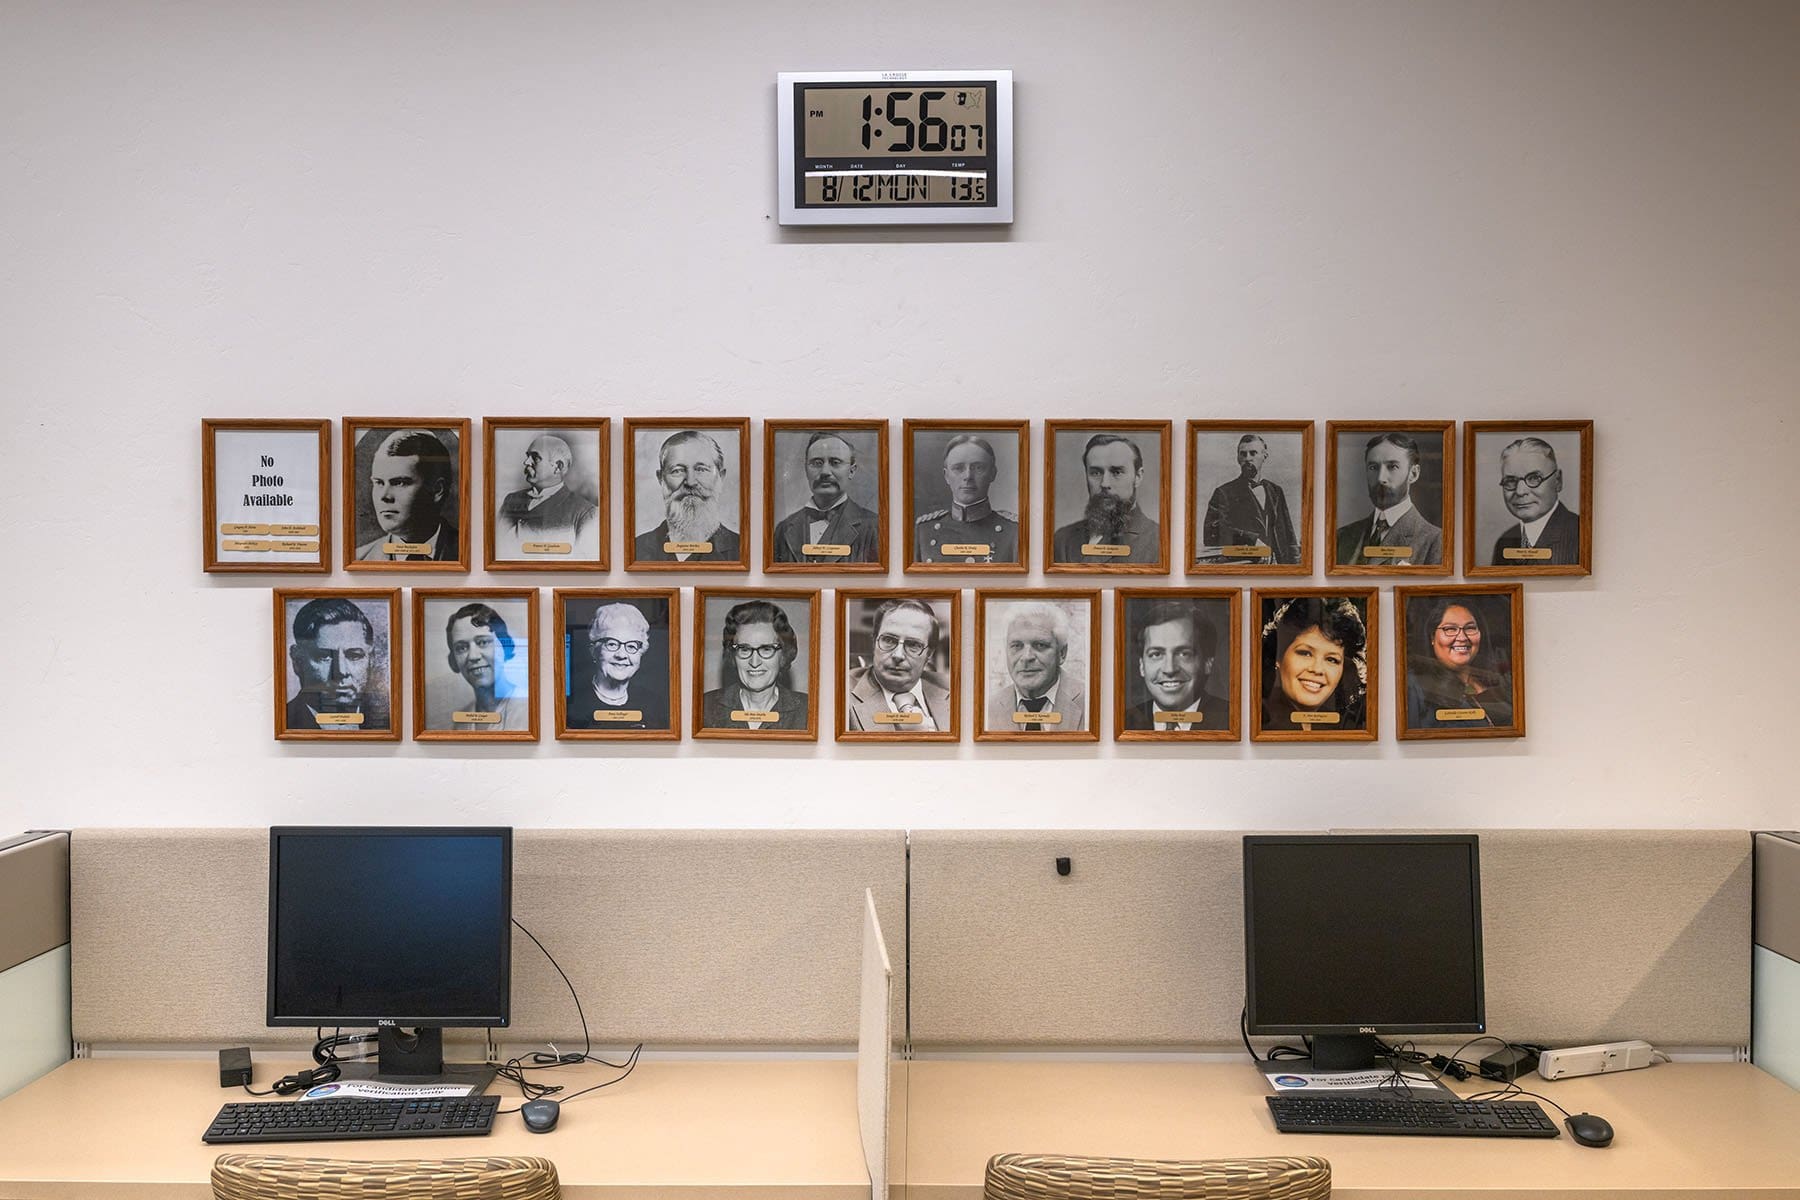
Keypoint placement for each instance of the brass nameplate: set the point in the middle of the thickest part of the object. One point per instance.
(238, 527)
(338, 718)
(687, 547)
(548, 547)
(1387, 551)
(1315, 718)
(894, 718)
(295, 545)
(1528, 553)
(822, 548)
(1461, 714)
(475, 718)
(245, 544)
(1246, 551)
(965, 548)
(1186, 718)
(1037, 718)
(294, 531)
(1105, 550)
(406, 547)
(618, 714)
(754, 714)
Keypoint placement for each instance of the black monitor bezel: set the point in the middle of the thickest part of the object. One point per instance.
(498, 1020)
(1471, 841)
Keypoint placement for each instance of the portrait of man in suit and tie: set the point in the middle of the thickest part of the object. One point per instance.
(546, 488)
(1176, 668)
(899, 652)
(824, 496)
(1251, 489)
(1037, 656)
(685, 494)
(1529, 498)
(1394, 484)
(410, 506)
(340, 674)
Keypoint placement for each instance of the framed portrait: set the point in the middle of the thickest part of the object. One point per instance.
(618, 672)
(825, 492)
(406, 496)
(687, 490)
(337, 671)
(475, 672)
(1461, 661)
(1107, 484)
(1037, 665)
(1317, 665)
(1528, 508)
(966, 484)
(756, 669)
(1176, 665)
(1250, 497)
(545, 493)
(899, 654)
(266, 489)
(1389, 497)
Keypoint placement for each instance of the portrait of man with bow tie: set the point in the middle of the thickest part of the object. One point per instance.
(828, 480)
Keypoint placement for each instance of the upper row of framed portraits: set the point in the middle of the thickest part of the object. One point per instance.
(1389, 506)
(1177, 661)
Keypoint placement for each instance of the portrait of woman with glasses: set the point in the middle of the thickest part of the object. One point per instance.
(757, 670)
(898, 650)
(617, 673)
(1460, 665)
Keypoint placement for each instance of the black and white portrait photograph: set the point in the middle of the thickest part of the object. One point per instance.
(1390, 489)
(1250, 495)
(1529, 502)
(266, 488)
(475, 664)
(1316, 665)
(1462, 667)
(545, 481)
(1175, 664)
(756, 668)
(337, 673)
(1037, 661)
(687, 489)
(898, 652)
(825, 496)
(1108, 484)
(406, 497)
(618, 676)
(966, 483)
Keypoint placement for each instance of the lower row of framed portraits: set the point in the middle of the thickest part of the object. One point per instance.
(1177, 662)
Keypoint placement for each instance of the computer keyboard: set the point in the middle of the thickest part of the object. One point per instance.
(1395, 1114)
(347, 1119)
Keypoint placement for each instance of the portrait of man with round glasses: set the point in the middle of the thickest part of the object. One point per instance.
(1530, 496)
(757, 669)
(618, 664)
(898, 651)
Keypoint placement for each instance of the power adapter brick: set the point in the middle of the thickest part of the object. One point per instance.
(1508, 1064)
(1602, 1059)
(234, 1067)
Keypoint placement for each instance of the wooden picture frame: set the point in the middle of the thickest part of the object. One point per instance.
(974, 538)
(1235, 528)
(1421, 543)
(727, 549)
(855, 538)
(1139, 708)
(997, 716)
(714, 705)
(865, 712)
(1346, 712)
(271, 469)
(348, 632)
(1493, 533)
(437, 617)
(413, 508)
(1464, 685)
(644, 716)
(1066, 548)
(568, 530)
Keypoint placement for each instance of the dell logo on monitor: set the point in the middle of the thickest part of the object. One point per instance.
(395, 1024)
(1365, 1029)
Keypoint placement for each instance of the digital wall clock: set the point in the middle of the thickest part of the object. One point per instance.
(894, 147)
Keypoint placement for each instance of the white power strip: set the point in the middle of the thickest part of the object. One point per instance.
(1594, 1060)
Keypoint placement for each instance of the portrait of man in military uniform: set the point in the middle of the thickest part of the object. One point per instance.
(965, 485)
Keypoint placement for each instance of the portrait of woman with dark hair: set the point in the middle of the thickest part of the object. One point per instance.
(1459, 663)
(758, 685)
(1315, 664)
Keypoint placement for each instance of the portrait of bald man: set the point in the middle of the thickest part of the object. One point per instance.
(685, 495)
(1529, 495)
(408, 496)
(829, 483)
(549, 482)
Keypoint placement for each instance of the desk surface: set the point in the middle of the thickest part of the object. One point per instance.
(1682, 1130)
(118, 1127)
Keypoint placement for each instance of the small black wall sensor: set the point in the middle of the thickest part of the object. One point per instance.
(1063, 865)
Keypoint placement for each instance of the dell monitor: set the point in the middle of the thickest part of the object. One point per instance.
(397, 928)
(1355, 939)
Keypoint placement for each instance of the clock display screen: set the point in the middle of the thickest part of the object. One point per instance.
(909, 142)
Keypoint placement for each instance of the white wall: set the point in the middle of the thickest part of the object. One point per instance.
(1330, 210)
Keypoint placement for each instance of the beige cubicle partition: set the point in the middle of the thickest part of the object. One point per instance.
(1775, 993)
(34, 956)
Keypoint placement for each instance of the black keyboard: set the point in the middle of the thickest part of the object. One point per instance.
(1395, 1114)
(350, 1119)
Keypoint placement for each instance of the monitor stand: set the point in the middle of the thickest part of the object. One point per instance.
(1339, 1052)
(418, 1058)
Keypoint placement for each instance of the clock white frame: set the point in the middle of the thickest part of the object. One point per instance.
(1000, 179)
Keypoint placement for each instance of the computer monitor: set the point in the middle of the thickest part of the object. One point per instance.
(1355, 939)
(392, 927)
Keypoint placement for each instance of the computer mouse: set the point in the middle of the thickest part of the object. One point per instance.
(540, 1116)
(1590, 1130)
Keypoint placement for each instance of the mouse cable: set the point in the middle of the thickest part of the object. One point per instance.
(1513, 1089)
(513, 1070)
